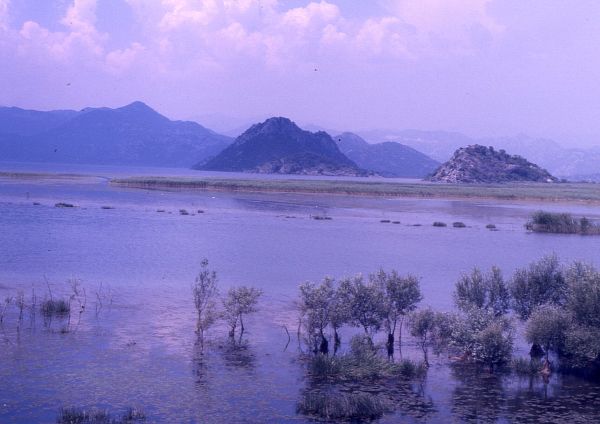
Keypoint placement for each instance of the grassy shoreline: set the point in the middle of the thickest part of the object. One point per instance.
(558, 192)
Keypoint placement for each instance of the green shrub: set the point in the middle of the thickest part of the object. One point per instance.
(439, 224)
(458, 224)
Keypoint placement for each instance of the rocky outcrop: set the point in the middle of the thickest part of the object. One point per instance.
(481, 164)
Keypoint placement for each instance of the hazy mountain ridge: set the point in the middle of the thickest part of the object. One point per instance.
(440, 145)
(481, 164)
(130, 135)
(279, 146)
(388, 159)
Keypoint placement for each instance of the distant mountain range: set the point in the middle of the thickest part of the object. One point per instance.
(388, 159)
(279, 146)
(131, 135)
(573, 163)
(481, 164)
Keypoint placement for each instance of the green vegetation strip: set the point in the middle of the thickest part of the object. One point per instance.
(525, 191)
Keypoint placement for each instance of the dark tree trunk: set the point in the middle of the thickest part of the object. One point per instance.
(324, 346)
(336, 341)
(390, 345)
(536, 351)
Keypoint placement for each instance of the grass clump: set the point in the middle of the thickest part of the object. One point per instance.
(342, 406)
(560, 223)
(458, 224)
(63, 205)
(439, 224)
(55, 307)
(490, 227)
(385, 221)
(81, 416)
(183, 212)
(362, 363)
(107, 207)
(395, 222)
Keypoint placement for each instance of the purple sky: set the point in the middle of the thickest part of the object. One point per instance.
(482, 67)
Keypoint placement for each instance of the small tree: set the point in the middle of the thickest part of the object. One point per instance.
(240, 301)
(422, 326)
(482, 291)
(548, 327)
(541, 283)
(205, 293)
(317, 309)
(401, 297)
(493, 345)
(366, 303)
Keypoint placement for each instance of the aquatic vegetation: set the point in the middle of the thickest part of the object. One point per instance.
(338, 405)
(490, 226)
(458, 224)
(562, 223)
(321, 217)
(55, 307)
(439, 224)
(81, 416)
(64, 205)
(385, 221)
(107, 207)
(525, 367)
(183, 212)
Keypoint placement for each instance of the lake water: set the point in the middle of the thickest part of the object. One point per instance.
(141, 350)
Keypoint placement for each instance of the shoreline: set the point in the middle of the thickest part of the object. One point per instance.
(545, 192)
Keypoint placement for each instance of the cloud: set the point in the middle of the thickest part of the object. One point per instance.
(445, 22)
(119, 61)
(4, 4)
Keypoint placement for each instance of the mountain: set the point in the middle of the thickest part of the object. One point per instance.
(440, 145)
(480, 164)
(389, 159)
(279, 146)
(130, 135)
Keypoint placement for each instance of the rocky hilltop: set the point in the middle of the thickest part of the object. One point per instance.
(481, 164)
(134, 134)
(279, 146)
(388, 159)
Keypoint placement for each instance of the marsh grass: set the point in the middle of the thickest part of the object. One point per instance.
(490, 226)
(55, 307)
(361, 367)
(508, 191)
(81, 416)
(385, 221)
(439, 224)
(458, 224)
(64, 205)
(354, 407)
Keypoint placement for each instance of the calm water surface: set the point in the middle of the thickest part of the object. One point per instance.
(141, 351)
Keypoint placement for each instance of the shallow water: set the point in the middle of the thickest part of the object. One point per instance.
(141, 351)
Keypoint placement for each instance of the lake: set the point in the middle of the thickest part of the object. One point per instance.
(135, 343)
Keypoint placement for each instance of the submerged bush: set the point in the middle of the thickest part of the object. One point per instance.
(562, 223)
(458, 224)
(342, 406)
(525, 367)
(439, 224)
(55, 307)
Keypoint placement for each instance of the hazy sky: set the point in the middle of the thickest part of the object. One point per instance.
(482, 67)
